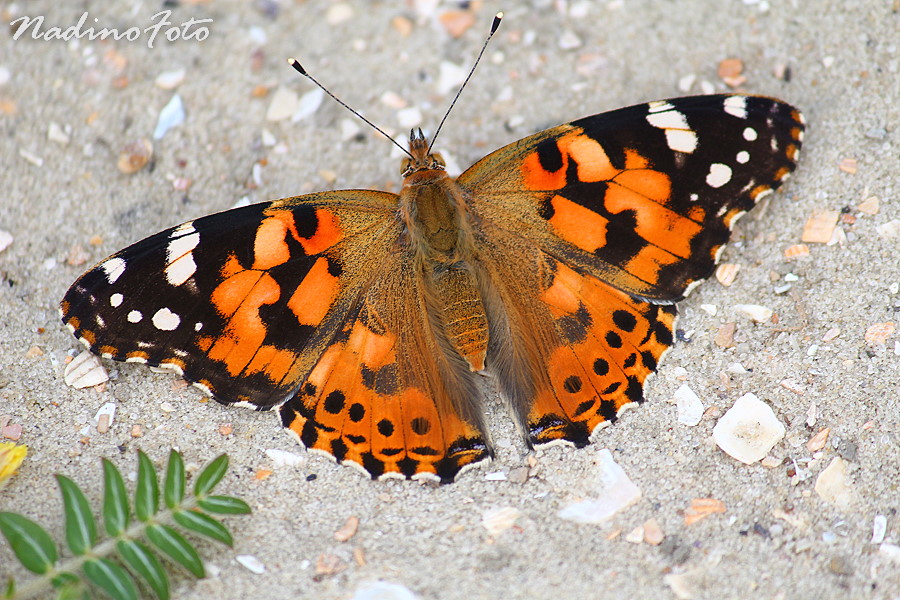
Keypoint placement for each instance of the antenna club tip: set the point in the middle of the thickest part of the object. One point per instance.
(297, 66)
(496, 23)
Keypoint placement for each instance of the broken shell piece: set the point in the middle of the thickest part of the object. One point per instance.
(103, 420)
(701, 508)
(748, 430)
(135, 156)
(877, 334)
(498, 520)
(726, 273)
(820, 226)
(690, 408)
(348, 530)
(616, 492)
(85, 371)
(833, 484)
(754, 312)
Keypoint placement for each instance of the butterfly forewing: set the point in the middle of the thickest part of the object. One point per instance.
(642, 197)
(240, 302)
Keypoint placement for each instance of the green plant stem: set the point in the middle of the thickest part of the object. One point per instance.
(43, 582)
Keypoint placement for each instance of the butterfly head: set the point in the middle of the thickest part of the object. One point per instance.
(420, 159)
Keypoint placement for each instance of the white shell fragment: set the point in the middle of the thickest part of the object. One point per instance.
(170, 116)
(85, 371)
(615, 493)
(754, 312)
(308, 104)
(450, 77)
(382, 590)
(284, 104)
(253, 564)
(748, 430)
(169, 80)
(283, 458)
(498, 520)
(6, 238)
(105, 417)
(879, 529)
(833, 484)
(690, 408)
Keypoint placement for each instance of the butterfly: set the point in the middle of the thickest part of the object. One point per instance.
(370, 319)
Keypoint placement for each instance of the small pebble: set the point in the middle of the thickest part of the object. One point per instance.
(450, 77)
(55, 133)
(725, 335)
(569, 40)
(876, 133)
(636, 535)
(849, 165)
(339, 13)
(457, 22)
(348, 530)
(653, 533)
(840, 566)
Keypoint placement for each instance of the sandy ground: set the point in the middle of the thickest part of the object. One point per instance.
(551, 62)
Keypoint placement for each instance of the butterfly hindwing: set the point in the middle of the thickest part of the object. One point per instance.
(239, 302)
(387, 394)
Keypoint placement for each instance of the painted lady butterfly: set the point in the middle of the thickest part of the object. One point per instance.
(552, 264)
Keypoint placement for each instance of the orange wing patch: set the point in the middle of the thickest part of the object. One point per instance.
(356, 406)
(611, 343)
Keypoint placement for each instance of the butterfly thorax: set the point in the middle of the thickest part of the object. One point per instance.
(440, 236)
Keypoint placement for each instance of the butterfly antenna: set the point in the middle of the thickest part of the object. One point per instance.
(494, 25)
(299, 68)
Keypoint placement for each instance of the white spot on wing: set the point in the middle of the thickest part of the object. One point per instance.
(198, 326)
(719, 175)
(743, 157)
(115, 300)
(659, 106)
(671, 119)
(135, 316)
(736, 106)
(179, 254)
(181, 269)
(681, 140)
(750, 134)
(114, 267)
(166, 320)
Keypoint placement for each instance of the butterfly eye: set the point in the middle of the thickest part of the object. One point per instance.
(405, 166)
(437, 160)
